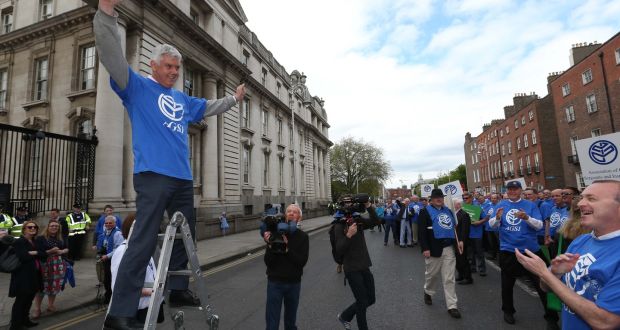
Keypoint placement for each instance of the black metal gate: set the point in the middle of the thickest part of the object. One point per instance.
(42, 170)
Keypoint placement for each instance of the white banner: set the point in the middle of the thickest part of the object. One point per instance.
(425, 189)
(598, 157)
(520, 180)
(452, 189)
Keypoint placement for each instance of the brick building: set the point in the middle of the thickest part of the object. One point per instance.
(587, 100)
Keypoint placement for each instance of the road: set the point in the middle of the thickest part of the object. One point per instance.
(238, 290)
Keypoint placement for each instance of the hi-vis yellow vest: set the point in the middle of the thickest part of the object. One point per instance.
(10, 224)
(77, 226)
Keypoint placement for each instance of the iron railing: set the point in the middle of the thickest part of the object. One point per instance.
(43, 170)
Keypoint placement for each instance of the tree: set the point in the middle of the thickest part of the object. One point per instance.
(357, 167)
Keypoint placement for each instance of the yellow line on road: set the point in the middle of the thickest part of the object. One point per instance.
(76, 320)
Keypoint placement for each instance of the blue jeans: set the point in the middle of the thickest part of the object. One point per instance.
(276, 293)
(389, 225)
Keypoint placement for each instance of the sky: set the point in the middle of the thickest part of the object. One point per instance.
(412, 77)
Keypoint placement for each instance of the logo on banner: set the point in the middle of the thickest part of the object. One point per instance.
(603, 152)
(450, 189)
(427, 188)
(170, 108)
(445, 221)
(511, 217)
(556, 219)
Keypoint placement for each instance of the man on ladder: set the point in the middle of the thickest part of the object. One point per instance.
(159, 117)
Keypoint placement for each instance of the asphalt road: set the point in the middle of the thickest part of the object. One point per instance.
(238, 291)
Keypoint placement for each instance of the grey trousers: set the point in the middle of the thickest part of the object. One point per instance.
(156, 194)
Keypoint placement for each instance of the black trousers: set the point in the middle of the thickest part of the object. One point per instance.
(511, 269)
(21, 309)
(462, 264)
(76, 245)
(492, 239)
(155, 194)
(107, 279)
(362, 285)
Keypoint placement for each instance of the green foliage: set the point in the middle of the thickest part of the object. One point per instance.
(357, 167)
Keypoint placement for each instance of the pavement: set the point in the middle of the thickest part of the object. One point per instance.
(211, 253)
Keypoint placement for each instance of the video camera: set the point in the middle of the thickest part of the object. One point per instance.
(352, 206)
(276, 224)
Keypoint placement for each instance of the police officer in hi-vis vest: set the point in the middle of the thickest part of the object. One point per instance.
(6, 221)
(74, 230)
(16, 222)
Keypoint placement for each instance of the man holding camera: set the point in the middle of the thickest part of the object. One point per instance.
(356, 215)
(285, 263)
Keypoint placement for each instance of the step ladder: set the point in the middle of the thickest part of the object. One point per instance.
(178, 220)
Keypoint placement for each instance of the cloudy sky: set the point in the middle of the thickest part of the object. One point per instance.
(414, 76)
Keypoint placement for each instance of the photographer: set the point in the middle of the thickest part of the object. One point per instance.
(355, 215)
(285, 257)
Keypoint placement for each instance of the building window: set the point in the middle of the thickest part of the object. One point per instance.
(281, 171)
(525, 143)
(246, 164)
(301, 144)
(596, 132)
(264, 117)
(7, 21)
(522, 120)
(591, 103)
(573, 144)
(536, 162)
(507, 129)
(511, 167)
(87, 67)
(302, 175)
(533, 137)
(45, 9)
(501, 133)
(290, 137)
(189, 79)
(516, 124)
(503, 150)
(246, 57)
(528, 164)
(518, 143)
(618, 56)
(279, 131)
(194, 16)
(566, 89)
(263, 78)
(278, 87)
(521, 166)
(586, 76)
(266, 170)
(4, 83)
(531, 115)
(505, 168)
(570, 114)
(245, 113)
(292, 177)
(40, 82)
(509, 147)
(194, 155)
(580, 182)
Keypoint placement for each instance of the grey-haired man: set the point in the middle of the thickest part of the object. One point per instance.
(159, 117)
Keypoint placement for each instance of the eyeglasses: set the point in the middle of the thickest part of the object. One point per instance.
(566, 194)
(32, 227)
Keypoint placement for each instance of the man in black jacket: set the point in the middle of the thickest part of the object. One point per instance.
(438, 241)
(284, 272)
(351, 244)
(462, 229)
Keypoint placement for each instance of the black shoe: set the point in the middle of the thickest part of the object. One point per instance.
(483, 274)
(121, 323)
(458, 279)
(454, 313)
(410, 245)
(385, 244)
(30, 324)
(180, 298)
(427, 299)
(402, 246)
(509, 318)
(466, 281)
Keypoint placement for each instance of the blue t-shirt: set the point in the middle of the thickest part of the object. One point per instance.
(515, 232)
(489, 210)
(159, 125)
(545, 213)
(476, 231)
(596, 276)
(557, 217)
(443, 222)
(415, 211)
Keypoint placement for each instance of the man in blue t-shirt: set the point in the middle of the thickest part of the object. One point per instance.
(586, 277)
(518, 221)
(160, 117)
(492, 234)
(554, 218)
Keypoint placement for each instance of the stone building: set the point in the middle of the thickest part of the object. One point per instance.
(250, 156)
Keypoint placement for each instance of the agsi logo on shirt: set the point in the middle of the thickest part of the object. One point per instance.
(444, 221)
(579, 280)
(511, 217)
(556, 219)
(170, 108)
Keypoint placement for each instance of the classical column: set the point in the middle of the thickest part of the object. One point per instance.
(109, 121)
(209, 146)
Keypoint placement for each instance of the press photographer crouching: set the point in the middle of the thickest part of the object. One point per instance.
(354, 215)
(285, 257)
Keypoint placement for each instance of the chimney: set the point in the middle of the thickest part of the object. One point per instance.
(581, 50)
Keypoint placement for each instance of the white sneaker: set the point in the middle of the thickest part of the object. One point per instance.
(346, 324)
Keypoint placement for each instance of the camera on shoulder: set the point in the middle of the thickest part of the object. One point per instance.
(351, 207)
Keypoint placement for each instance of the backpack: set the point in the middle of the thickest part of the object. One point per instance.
(332, 240)
(9, 261)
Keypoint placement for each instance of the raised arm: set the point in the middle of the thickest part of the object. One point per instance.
(108, 42)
